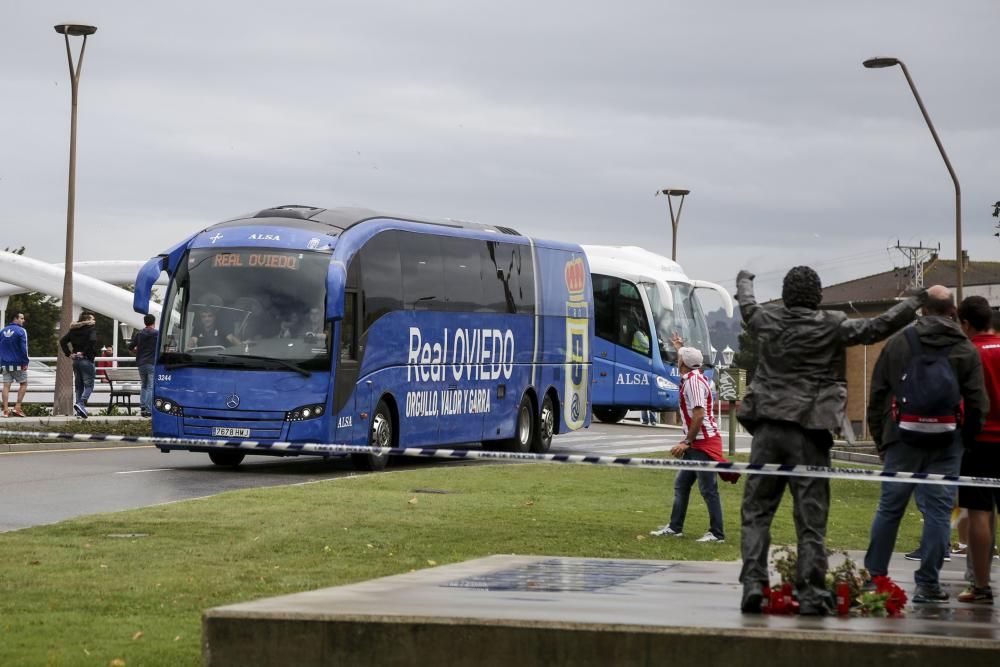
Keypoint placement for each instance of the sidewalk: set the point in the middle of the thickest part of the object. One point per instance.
(57, 424)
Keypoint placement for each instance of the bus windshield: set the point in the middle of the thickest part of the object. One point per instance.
(258, 308)
(686, 319)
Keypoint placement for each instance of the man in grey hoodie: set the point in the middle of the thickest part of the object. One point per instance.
(937, 330)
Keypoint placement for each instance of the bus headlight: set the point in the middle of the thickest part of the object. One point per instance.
(305, 412)
(168, 406)
(665, 384)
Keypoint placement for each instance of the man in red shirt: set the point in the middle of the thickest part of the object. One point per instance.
(702, 442)
(982, 457)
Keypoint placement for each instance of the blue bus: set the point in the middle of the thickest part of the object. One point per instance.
(350, 326)
(640, 300)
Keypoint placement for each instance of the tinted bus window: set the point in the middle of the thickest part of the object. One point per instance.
(423, 272)
(462, 274)
(605, 288)
(508, 278)
(382, 281)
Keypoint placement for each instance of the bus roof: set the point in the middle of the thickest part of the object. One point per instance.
(633, 262)
(334, 221)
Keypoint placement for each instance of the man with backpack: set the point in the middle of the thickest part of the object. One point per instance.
(927, 397)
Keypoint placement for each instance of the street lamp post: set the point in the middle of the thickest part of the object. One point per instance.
(63, 399)
(675, 220)
(878, 63)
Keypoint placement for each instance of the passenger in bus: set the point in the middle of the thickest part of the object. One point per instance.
(208, 332)
(290, 325)
(316, 325)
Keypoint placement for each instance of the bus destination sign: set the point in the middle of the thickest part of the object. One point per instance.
(262, 260)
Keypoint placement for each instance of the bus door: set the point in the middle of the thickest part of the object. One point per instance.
(347, 392)
(633, 366)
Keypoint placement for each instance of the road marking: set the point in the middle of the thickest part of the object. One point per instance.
(132, 472)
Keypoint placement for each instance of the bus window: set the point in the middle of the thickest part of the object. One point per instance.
(605, 288)
(348, 328)
(633, 326)
(462, 274)
(508, 278)
(382, 281)
(423, 272)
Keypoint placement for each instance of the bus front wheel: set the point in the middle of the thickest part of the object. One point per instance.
(609, 415)
(545, 428)
(382, 434)
(226, 458)
(524, 428)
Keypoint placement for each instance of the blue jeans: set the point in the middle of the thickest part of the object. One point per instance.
(709, 488)
(935, 503)
(83, 373)
(146, 393)
(648, 417)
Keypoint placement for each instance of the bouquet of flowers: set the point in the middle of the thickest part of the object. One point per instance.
(845, 582)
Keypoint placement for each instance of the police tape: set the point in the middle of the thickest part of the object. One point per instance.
(327, 450)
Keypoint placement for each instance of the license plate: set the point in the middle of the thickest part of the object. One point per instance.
(231, 432)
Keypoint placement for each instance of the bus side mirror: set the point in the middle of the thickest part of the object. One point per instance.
(144, 281)
(336, 282)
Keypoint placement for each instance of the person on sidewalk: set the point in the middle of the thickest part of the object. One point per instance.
(797, 398)
(648, 417)
(701, 442)
(905, 444)
(14, 363)
(143, 345)
(80, 344)
(982, 457)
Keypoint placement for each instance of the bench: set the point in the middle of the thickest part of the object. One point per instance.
(123, 384)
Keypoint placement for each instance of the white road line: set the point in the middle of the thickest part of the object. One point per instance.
(132, 472)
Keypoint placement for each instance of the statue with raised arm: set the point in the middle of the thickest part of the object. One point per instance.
(794, 405)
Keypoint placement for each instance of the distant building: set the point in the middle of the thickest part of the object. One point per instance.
(872, 295)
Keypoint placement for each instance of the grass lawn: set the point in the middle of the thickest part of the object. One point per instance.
(79, 593)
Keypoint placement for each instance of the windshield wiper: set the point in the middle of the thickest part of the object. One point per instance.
(281, 362)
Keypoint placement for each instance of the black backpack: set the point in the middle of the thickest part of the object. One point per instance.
(928, 402)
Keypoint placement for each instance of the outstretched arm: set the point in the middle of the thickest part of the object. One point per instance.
(744, 295)
(871, 330)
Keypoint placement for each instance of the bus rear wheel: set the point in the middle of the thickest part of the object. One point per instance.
(227, 458)
(545, 428)
(382, 434)
(609, 415)
(524, 428)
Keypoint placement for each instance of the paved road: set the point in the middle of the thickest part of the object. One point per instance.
(45, 487)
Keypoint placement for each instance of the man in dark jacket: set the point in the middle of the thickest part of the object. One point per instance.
(937, 330)
(80, 344)
(797, 397)
(143, 345)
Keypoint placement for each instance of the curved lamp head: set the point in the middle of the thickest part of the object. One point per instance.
(674, 191)
(727, 356)
(75, 29)
(878, 63)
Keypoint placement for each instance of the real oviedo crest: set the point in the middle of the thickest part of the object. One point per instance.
(577, 345)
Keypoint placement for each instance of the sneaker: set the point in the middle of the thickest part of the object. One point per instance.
(958, 549)
(976, 595)
(665, 531)
(81, 411)
(710, 537)
(6, 412)
(915, 555)
(145, 413)
(17, 412)
(929, 595)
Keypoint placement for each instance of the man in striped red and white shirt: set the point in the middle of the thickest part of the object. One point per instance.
(702, 442)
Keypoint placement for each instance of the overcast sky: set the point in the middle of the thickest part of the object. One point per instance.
(559, 118)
